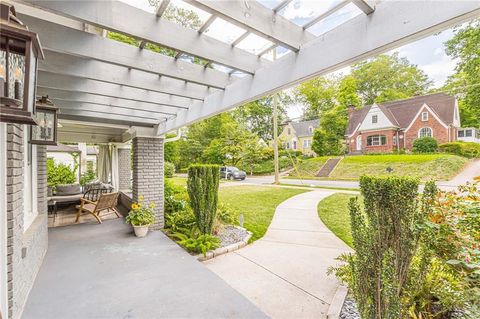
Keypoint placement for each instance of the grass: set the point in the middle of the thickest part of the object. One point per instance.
(256, 203)
(178, 181)
(425, 167)
(322, 187)
(267, 167)
(308, 167)
(333, 211)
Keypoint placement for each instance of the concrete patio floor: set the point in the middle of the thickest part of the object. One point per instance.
(94, 271)
(285, 272)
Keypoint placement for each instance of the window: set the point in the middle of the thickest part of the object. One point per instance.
(289, 131)
(287, 145)
(307, 143)
(425, 132)
(394, 140)
(424, 116)
(461, 133)
(376, 140)
(374, 119)
(468, 133)
(310, 130)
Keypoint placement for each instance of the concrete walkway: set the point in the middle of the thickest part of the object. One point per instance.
(285, 272)
(103, 271)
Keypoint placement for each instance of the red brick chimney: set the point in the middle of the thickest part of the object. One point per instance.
(350, 109)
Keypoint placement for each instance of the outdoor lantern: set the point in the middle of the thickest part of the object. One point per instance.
(19, 52)
(45, 132)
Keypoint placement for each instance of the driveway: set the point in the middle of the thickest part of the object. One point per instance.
(103, 271)
(285, 272)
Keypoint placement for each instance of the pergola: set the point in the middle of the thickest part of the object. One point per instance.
(96, 80)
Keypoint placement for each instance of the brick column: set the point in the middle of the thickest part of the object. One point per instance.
(148, 174)
(124, 170)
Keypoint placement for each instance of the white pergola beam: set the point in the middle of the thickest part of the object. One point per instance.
(65, 40)
(367, 6)
(162, 6)
(120, 17)
(207, 24)
(257, 19)
(105, 118)
(281, 5)
(60, 95)
(65, 83)
(326, 14)
(74, 66)
(393, 24)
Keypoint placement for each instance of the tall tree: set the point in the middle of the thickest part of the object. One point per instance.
(388, 77)
(318, 95)
(465, 48)
(347, 92)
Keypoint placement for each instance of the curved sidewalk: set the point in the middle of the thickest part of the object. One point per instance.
(285, 272)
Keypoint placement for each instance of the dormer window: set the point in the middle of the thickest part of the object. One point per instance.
(289, 131)
(424, 116)
(310, 129)
(374, 119)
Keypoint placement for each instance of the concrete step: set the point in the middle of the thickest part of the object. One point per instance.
(328, 167)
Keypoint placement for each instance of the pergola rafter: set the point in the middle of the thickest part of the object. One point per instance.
(257, 19)
(123, 18)
(106, 117)
(326, 14)
(392, 24)
(58, 38)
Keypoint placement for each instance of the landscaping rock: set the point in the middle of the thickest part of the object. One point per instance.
(231, 235)
(349, 310)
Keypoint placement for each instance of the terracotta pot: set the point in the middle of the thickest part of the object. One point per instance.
(141, 231)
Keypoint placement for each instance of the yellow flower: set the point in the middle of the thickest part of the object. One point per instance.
(152, 205)
(135, 206)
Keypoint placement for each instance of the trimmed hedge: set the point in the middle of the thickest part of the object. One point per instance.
(169, 169)
(425, 145)
(202, 186)
(466, 149)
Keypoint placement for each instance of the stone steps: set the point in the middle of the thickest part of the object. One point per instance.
(328, 167)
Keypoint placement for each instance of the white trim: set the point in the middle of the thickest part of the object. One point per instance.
(431, 131)
(431, 111)
(425, 118)
(3, 222)
(356, 129)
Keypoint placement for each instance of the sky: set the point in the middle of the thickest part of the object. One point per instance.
(428, 53)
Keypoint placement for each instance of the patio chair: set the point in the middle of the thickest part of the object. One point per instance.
(105, 202)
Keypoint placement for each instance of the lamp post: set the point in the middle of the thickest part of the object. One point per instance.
(19, 51)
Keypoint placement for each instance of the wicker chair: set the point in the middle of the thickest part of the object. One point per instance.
(105, 202)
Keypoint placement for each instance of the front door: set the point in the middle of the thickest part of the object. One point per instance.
(359, 143)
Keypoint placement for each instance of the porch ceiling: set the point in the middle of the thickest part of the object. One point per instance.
(95, 79)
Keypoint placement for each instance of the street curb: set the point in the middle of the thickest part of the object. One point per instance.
(337, 302)
(227, 249)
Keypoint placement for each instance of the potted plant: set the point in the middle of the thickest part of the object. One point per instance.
(141, 217)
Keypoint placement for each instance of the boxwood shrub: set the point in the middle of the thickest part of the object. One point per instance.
(466, 149)
(425, 145)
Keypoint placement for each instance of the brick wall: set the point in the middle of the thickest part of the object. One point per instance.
(440, 133)
(25, 248)
(148, 174)
(124, 169)
(389, 147)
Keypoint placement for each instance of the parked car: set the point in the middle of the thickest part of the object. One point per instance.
(231, 173)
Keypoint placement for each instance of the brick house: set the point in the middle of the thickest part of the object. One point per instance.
(395, 125)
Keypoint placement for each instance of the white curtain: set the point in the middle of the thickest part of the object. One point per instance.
(115, 176)
(104, 163)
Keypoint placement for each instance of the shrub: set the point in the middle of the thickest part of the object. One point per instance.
(466, 149)
(182, 221)
(385, 240)
(425, 145)
(87, 177)
(175, 197)
(225, 214)
(198, 244)
(58, 174)
(169, 169)
(140, 214)
(202, 186)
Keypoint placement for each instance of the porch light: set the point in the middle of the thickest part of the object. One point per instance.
(19, 51)
(45, 132)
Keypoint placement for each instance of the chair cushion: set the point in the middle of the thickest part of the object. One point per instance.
(68, 189)
(67, 198)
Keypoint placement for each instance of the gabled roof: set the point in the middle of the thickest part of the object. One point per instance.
(402, 112)
(301, 128)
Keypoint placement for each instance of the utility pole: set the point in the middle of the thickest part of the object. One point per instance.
(275, 130)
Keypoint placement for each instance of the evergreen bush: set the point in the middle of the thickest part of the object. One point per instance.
(58, 174)
(425, 145)
(466, 149)
(385, 238)
(202, 186)
(169, 169)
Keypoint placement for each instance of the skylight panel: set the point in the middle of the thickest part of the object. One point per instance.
(140, 4)
(303, 11)
(254, 44)
(270, 3)
(337, 18)
(281, 51)
(224, 31)
(221, 68)
(185, 14)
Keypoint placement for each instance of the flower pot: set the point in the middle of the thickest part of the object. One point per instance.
(141, 231)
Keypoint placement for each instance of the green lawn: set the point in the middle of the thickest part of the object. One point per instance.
(425, 167)
(178, 181)
(308, 168)
(256, 203)
(333, 211)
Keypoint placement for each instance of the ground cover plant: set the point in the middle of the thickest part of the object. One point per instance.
(308, 167)
(423, 166)
(415, 256)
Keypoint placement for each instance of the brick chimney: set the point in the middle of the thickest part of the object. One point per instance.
(350, 109)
